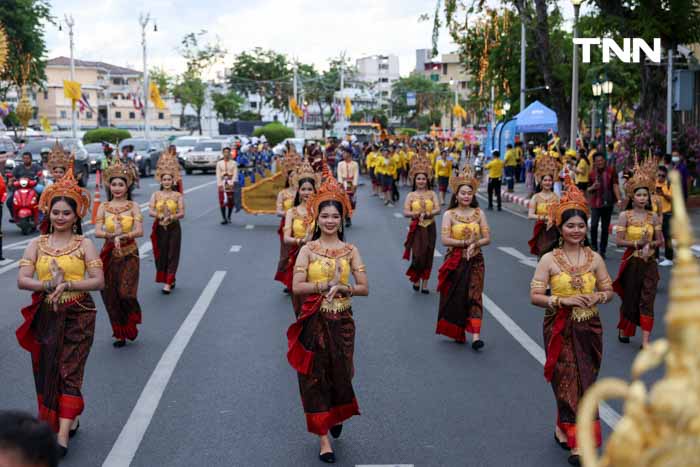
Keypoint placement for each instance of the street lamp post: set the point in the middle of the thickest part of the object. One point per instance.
(597, 89)
(574, 81)
(523, 45)
(70, 22)
(144, 20)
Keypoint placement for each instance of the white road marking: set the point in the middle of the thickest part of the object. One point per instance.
(9, 267)
(130, 438)
(383, 465)
(145, 248)
(437, 254)
(235, 249)
(522, 259)
(504, 208)
(249, 227)
(607, 413)
(398, 215)
(6, 261)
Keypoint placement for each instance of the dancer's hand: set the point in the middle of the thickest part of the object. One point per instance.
(56, 295)
(57, 274)
(578, 300)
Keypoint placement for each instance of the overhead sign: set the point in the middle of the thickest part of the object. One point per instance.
(411, 99)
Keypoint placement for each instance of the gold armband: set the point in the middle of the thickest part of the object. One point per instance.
(299, 269)
(445, 230)
(94, 264)
(657, 227)
(605, 283)
(535, 284)
(138, 218)
(26, 262)
(360, 269)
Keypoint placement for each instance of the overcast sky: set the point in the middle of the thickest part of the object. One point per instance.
(313, 31)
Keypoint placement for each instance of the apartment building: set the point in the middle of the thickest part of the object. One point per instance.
(379, 72)
(110, 92)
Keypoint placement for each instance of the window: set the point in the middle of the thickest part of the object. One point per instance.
(444, 68)
(383, 66)
(383, 80)
(46, 95)
(64, 114)
(434, 77)
(117, 115)
(132, 115)
(161, 116)
(253, 105)
(463, 84)
(88, 115)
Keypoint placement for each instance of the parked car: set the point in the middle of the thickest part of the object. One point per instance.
(37, 146)
(146, 153)
(204, 156)
(95, 155)
(185, 144)
(8, 149)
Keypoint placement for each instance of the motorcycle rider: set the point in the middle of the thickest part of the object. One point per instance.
(27, 169)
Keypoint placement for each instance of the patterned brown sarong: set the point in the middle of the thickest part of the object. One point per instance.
(422, 247)
(636, 284)
(121, 272)
(542, 238)
(284, 255)
(166, 243)
(460, 283)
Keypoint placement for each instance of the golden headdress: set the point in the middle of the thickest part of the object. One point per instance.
(330, 190)
(302, 171)
(59, 158)
(571, 198)
(420, 164)
(547, 165)
(290, 162)
(643, 176)
(168, 165)
(119, 170)
(465, 177)
(66, 187)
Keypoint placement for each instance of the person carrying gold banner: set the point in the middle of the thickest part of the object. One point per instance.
(285, 202)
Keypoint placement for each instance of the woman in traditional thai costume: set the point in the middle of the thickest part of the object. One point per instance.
(543, 237)
(579, 282)
(120, 223)
(461, 277)
(298, 227)
(285, 202)
(59, 325)
(421, 206)
(638, 230)
(322, 340)
(58, 164)
(167, 207)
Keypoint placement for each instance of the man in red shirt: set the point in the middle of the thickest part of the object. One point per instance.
(3, 196)
(604, 193)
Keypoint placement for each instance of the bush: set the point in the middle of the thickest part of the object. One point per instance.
(274, 132)
(407, 131)
(109, 135)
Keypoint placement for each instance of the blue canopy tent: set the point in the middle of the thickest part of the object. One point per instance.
(536, 118)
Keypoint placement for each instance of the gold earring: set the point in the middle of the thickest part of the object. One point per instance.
(75, 228)
(561, 242)
(51, 229)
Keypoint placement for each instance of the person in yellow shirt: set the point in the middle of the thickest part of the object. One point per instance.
(370, 163)
(663, 191)
(510, 163)
(443, 170)
(583, 170)
(386, 167)
(495, 168)
(398, 158)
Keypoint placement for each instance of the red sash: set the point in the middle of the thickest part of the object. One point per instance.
(154, 240)
(617, 285)
(540, 226)
(451, 263)
(556, 342)
(409, 239)
(300, 358)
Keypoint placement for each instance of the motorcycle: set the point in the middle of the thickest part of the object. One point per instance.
(25, 202)
(479, 166)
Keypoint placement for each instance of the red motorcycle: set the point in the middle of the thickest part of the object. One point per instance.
(25, 202)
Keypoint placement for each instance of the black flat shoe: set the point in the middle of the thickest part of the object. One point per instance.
(478, 344)
(336, 430)
(74, 431)
(574, 459)
(166, 292)
(562, 444)
(416, 288)
(224, 222)
(623, 339)
(62, 451)
(119, 344)
(286, 290)
(425, 291)
(327, 457)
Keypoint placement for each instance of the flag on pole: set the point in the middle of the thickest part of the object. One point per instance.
(85, 103)
(348, 107)
(155, 96)
(294, 107)
(45, 125)
(71, 90)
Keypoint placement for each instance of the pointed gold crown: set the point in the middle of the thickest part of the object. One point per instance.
(330, 190)
(643, 176)
(290, 162)
(168, 165)
(465, 177)
(59, 158)
(66, 187)
(547, 165)
(572, 198)
(119, 170)
(420, 164)
(302, 171)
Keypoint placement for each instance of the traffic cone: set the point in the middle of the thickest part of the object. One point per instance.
(96, 199)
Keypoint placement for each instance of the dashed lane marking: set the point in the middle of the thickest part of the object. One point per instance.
(398, 215)
(607, 413)
(249, 227)
(437, 254)
(6, 261)
(9, 267)
(522, 259)
(144, 249)
(235, 249)
(130, 438)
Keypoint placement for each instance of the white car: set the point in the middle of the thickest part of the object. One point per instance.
(185, 144)
(203, 156)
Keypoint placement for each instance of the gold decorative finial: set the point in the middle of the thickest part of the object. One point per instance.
(660, 427)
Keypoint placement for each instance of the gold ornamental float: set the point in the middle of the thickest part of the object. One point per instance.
(4, 48)
(660, 426)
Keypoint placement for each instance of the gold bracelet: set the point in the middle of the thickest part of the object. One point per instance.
(69, 285)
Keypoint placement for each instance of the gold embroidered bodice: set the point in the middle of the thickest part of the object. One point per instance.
(70, 259)
(571, 281)
(322, 268)
(121, 214)
(299, 227)
(635, 229)
(288, 203)
(422, 204)
(170, 204)
(542, 208)
(466, 227)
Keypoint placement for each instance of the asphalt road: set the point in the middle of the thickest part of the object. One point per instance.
(207, 382)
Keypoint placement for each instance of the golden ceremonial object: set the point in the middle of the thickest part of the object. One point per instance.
(661, 426)
(261, 196)
(4, 48)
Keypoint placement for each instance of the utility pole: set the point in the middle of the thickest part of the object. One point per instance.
(296, 96)
(669, 102)
(70, 22)
(523, 45)
(342, 88)
(144, 20)
(574, 82)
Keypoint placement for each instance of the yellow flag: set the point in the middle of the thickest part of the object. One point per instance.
(348, 107)
(458, 111)
(294, 107)
(71, 90)
(155, 96)
(45, 125)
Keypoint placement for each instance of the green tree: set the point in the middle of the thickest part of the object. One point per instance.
(24, 22)
(274, 133)
(191, 90)
(162, 80)
(430, 98)
(227, 105)
(262, 72)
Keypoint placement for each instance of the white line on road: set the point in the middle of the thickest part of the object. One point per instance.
(130, 438)
(522, 259)
(479, 195)
(607, 413)
(9, 267)
(6, 261)
(249, 227)
(437, 254)
(145, 248)
(235, 249)
(384, 465)
(398, 215)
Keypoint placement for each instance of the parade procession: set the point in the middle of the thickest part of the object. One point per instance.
(455, 234)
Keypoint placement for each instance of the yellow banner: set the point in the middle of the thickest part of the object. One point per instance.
(348, 107)
(45, 125)
(71, 90)
(155, 96)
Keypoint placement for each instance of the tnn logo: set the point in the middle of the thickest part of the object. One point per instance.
(628, 53)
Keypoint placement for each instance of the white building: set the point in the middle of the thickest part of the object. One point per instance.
(379, 72)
